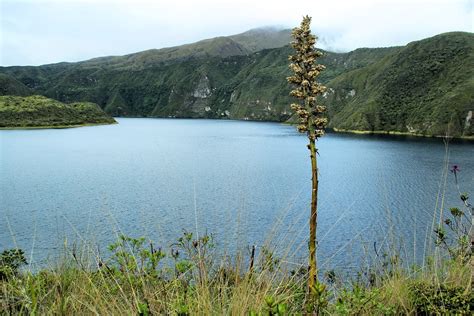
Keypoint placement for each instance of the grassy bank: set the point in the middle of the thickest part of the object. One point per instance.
(41, 112)
(138, 277)
(55, 126)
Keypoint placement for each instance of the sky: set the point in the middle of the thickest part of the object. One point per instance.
(35, 32)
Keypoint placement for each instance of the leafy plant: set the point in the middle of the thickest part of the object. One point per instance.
(130, 255)
(10, 261)
(195, 252)
(143, 309)
(430, 299)
(272, 308)
(269, 261)
(456, 234)
(361, 300)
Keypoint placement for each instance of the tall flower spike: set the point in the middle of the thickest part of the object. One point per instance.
(305, 70)
(311, 121)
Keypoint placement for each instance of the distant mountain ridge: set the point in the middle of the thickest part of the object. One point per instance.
(223, 46)
(263, 38)
(425, 87)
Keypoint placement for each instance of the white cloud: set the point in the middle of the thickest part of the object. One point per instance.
(38, 32)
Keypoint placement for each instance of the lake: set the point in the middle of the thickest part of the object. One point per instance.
(245, 182)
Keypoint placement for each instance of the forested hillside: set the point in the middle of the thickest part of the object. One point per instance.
(425, 87)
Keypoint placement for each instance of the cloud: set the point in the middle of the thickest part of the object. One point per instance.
(38, 32)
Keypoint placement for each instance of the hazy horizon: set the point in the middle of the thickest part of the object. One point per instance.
(52, 31)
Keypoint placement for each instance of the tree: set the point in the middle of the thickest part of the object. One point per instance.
(311, 121)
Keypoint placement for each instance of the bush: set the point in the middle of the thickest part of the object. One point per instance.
(10, 261)
(441, 300)
(361, 300)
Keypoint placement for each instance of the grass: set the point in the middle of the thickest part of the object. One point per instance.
(196, 282)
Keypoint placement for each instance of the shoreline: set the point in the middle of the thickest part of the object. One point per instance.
(396, 133)
(54, 126)
(333, 129)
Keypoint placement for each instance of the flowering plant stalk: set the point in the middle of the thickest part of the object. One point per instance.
(312, 121)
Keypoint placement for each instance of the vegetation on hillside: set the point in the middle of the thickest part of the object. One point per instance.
(422, 88)
(9, 85)
(425, 88)
(39, 111)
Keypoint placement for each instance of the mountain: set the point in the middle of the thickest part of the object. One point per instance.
(9, 85)
(224, 46)
(427, 87)
(421, 88)
(38, 111)
(263, 38)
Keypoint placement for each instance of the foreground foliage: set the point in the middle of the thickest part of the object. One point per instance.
(39, 111)
(138, 278)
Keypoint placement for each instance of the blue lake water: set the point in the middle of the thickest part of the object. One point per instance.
(245, 182)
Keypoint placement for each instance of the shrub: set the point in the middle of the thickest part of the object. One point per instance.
(441, 300)
(10, 261)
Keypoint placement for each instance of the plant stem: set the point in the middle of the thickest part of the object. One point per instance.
(313, 222)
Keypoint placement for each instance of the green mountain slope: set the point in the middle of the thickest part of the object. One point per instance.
(422, 88)
(425, 88)
(215, 47)
(9, 85)
(241, 87)
(39, 111)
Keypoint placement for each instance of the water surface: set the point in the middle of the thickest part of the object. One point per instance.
(245, 182)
